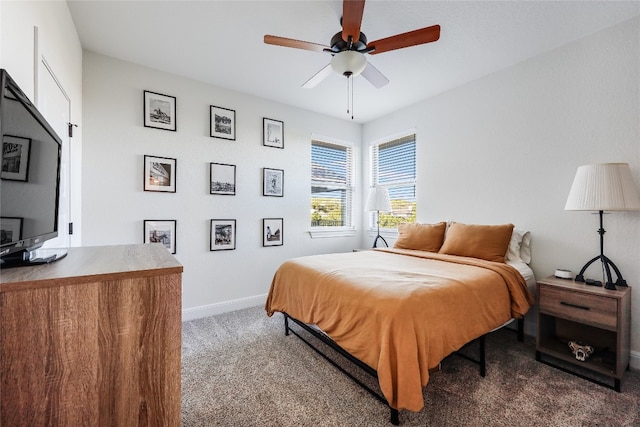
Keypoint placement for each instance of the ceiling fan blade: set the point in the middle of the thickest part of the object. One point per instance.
(374, 76)
(298, 44)
(352, 19)
(318, 77)
(411, 38)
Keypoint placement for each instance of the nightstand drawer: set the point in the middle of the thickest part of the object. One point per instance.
(590, 309)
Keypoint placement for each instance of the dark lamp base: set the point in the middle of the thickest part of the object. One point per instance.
(375, 242)
(608, 265)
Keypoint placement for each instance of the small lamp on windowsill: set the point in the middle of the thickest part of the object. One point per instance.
(378, 201)
(603, 187)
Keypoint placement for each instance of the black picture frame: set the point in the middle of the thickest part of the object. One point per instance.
(222, 179)
(223, 235)
(16, 156)
(272, 133)
(272, 182)
(160, 111)
(161, 231)
(222, 123)
(10, 229)
(159, 174)
(272, 232)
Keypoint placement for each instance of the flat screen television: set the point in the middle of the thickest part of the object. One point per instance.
(29, 179)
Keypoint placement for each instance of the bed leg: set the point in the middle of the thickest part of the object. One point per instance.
(286, 324)
(521, 329)
(483, 364)
(395, 417)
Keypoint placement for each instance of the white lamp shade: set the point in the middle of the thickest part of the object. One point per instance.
(603, 187)
(348, 61)
(378, 200)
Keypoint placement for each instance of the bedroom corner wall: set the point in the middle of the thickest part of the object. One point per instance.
(505, 148)
(115, 205)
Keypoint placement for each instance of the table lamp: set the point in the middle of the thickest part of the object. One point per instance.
(377, 201)
(603, 187)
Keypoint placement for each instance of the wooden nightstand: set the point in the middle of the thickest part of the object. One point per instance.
(572, 311)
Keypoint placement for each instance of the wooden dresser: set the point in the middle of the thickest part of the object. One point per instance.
(93, 339)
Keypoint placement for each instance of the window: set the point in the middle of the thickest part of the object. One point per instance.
(331, 184)
(393, 165)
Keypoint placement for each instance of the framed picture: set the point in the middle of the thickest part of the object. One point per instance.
(272, 232)
(15, 158)
(272, 182)
(159, 174)
(272, 133)
(161, 231)
(10, 229)
(223, 234)
(222, 179)
(159, 111)
(223, 123)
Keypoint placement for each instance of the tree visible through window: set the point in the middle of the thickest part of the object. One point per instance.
(331, 184)
(393, 165)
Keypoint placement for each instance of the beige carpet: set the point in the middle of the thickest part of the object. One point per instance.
(239, 369)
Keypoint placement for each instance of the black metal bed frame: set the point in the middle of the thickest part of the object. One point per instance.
(394, 413)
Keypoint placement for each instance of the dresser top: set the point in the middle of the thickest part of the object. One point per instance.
(93, 263)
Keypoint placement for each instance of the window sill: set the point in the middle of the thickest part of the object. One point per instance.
(317, 233)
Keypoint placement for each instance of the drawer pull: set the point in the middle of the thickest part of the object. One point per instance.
(581, 307)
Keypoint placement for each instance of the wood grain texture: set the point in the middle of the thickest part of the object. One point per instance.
(596, 310)
(48, 356)
(92, 264)
(103, 352)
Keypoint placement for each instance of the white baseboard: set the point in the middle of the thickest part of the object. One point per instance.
(634, 361)
(223, 307)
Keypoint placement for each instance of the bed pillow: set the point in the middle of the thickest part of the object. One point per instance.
(519, 246)
(488, 242)
(422, 237)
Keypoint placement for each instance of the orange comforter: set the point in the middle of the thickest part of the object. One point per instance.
(399, 311)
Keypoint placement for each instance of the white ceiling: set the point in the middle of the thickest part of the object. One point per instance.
(221, 43)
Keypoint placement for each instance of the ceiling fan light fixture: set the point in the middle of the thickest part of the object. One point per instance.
(348, 63)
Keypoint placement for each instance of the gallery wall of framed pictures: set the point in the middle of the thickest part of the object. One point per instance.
(160, 175)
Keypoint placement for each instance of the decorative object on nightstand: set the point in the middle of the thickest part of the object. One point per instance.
(580, 351)
(603, 187)
(563, 273)
(377, 201)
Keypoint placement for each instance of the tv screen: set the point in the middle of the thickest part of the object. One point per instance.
(30, 175)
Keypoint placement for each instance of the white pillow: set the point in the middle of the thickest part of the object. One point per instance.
(519, 246)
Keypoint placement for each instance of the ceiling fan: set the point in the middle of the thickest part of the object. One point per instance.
(349, 46)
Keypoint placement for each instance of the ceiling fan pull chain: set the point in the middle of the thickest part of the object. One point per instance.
(347, 94)
(352, 88)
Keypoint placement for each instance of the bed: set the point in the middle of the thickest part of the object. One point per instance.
(400, 311)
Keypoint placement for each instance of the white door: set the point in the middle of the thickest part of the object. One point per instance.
(55, 106)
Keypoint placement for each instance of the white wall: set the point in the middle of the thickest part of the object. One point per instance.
(505, 148)
(58, 43)
(115, 205)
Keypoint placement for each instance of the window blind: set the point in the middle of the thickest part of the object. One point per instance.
(331, 184)
(393, 165)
